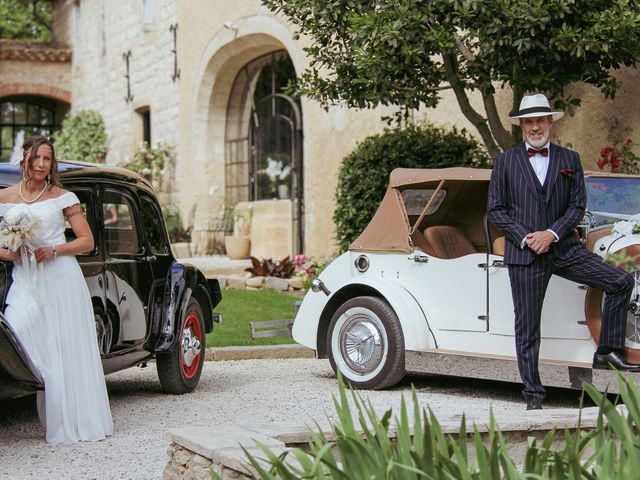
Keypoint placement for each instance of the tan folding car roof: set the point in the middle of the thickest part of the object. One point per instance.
(389, 229)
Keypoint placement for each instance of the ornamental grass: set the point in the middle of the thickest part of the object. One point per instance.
(417, 448)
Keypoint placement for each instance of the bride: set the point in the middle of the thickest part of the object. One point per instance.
(48, 304)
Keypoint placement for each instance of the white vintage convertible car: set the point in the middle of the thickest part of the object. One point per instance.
(425, 289)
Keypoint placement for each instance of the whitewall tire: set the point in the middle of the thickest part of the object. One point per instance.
(365, 343)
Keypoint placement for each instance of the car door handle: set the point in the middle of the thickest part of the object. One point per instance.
(149, 258)
(418, 256)
(496, 263)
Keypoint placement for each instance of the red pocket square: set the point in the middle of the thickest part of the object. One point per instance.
(566, 171)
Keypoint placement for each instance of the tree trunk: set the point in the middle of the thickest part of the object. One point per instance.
(502, 136)
(478, 121)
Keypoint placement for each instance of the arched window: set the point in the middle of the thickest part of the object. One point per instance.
(29, 115)
(263, 136)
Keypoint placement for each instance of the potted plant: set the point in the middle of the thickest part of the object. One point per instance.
(238, 245)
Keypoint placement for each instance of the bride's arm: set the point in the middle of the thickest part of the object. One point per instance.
(9, 256)
(82, 243)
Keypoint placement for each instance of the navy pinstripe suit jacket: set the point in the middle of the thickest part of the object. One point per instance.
(515, 206)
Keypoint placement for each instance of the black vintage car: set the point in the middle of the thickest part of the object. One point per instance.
(146, 304)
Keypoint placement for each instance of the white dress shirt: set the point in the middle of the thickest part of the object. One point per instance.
(539, 163)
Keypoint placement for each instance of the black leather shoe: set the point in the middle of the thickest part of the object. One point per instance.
(534, 403)
(613, 360)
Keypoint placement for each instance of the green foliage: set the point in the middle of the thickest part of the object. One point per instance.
(83, 137)
(239, 307)
(364, 173)
(175, 227)
(152, 161)
(25, 19)
(419, 449)
(621, 259)
(405, 52)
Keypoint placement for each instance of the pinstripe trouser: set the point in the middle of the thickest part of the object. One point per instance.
(528, 286)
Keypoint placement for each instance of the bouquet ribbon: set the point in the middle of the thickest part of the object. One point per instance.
(31, 271)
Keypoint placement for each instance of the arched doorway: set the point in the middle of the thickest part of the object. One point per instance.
(263, 138)
(22, 116)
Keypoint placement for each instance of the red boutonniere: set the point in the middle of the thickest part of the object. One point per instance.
(566, 171)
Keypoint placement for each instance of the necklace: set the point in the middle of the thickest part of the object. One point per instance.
(46, 184)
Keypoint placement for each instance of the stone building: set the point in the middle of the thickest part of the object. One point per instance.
(206, 76)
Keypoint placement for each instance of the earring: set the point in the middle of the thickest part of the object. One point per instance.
(48, 178)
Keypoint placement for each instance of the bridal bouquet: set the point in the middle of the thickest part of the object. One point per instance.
(15, 230)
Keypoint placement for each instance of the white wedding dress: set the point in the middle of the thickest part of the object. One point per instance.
(50, 310)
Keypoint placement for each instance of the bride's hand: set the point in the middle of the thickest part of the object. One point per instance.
(44, 254)
(9, 256)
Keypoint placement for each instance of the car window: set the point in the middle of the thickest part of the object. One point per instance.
(120, 233)
(415, 200)
(612, 195)
(151, 219)
(84, 196)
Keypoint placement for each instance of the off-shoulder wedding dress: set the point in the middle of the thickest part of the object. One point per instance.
(49, 308)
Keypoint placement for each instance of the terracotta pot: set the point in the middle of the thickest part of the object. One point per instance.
(237, 247)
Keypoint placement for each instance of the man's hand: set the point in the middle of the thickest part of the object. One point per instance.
(539, 242)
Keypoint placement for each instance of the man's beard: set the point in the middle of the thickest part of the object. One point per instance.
(538, 143)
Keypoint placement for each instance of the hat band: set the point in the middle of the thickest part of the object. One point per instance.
(526, 111)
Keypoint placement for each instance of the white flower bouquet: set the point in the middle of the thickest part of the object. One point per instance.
(16, 230)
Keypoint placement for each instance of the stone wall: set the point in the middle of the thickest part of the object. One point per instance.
(215, 41)
(102, 32)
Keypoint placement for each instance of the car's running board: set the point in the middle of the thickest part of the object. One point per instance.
(505, 369)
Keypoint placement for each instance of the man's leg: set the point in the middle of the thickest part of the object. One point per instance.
(588, 268)
(528, 287)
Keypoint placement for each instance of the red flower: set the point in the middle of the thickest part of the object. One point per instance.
(602, 162)
(615, 163)
(628, 142)
(603, 151)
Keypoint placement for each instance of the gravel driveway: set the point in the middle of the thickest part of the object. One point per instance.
(272, 392)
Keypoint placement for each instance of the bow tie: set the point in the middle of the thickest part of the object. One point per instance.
(532, 151)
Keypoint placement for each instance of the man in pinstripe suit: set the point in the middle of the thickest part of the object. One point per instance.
(537, 197)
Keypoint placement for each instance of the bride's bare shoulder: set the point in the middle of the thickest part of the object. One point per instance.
(10, 195)
(58, 191)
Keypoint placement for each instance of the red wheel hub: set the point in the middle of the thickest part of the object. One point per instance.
(191, 345)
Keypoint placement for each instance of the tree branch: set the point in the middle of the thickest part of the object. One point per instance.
(464, 50)
(502, 136)
(451, 70)
(38, 18)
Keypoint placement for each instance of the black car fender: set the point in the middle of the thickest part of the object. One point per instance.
(183, 282)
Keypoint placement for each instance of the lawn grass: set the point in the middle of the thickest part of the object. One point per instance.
(239, 307)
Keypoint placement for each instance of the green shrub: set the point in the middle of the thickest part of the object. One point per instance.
(83, 137)
(364, 173)
(152, 161)
(175, 228)
(420, 450)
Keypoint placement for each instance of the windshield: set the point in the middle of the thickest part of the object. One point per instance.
(612, 195)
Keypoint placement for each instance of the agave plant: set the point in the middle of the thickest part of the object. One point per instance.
(419, 449)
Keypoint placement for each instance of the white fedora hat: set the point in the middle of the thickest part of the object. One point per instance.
(535, 105)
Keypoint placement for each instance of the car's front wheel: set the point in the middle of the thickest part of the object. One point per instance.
(366, 344)
(179, 370)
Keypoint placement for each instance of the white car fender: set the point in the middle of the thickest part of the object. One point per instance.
(415, 327)
(613, 243)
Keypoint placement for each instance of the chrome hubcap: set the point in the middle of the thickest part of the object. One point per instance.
(190, 347)
(361, 344)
